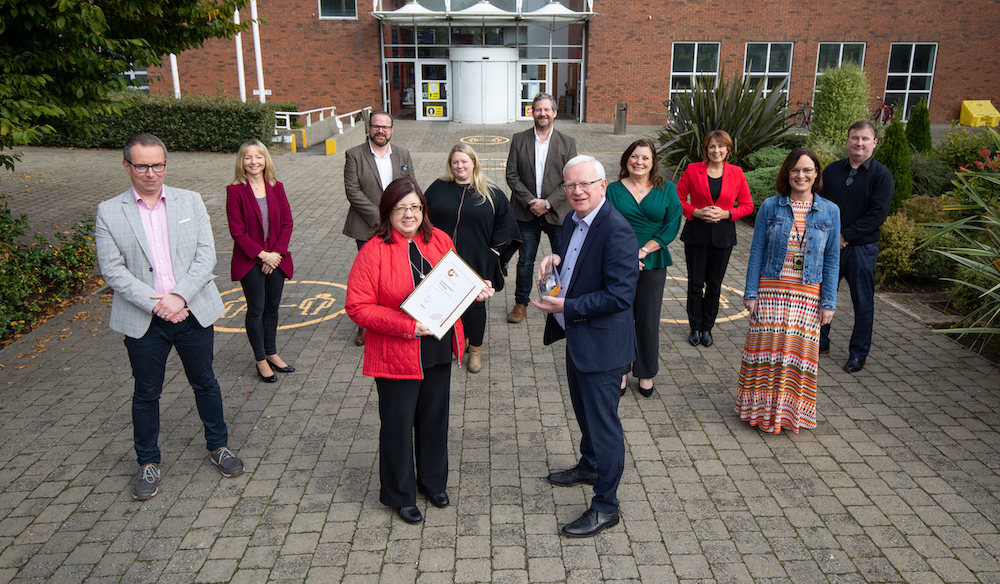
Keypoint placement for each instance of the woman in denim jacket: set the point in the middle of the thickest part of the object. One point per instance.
(791, 290)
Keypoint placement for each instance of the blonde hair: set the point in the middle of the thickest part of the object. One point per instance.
(480, 182)
(241, 173)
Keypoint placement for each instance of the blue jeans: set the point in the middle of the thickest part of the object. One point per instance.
(148, 355)
(531, 235)
(857, 266)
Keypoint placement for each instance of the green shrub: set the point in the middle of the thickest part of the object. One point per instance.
(201, 124)
(791, 141)
(766, 157)
(829, 152)
(895, 246)
(929, 175)
(894, 152)
(761, 181)
(928, 264)
(841, 99)
(960, 147)
(736, 106)
(918, 129)
(924, 209)
(966, 291)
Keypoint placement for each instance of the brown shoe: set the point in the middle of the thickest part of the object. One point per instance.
(359, 339)
(475, 358)
(517, 314)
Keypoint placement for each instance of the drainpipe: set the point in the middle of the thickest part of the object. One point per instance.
(241, 75)
(256, 49)
(175, 76)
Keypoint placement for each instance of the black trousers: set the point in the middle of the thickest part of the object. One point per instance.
(474, 321)
(647, 307)
(414, 416)
(706, 267)
(263, 294)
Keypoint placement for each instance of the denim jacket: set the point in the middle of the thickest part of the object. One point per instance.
(774, 223)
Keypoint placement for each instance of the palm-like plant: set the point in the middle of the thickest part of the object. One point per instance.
(753, 120)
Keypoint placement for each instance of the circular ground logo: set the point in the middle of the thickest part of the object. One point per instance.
(303, 303)
(731, 299)
(484, 140)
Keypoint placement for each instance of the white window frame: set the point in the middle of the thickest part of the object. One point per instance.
(909, 75)
(319, 11)
(131, 75)
(694, 74)
(840, 58)
(767, 74)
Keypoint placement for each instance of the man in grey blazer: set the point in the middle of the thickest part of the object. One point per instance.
(535, 175)
(156, 251)
(368, 170)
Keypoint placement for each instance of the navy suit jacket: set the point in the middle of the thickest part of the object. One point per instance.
(600, 330)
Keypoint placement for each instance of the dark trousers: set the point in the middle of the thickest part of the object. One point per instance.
(414, 416)
(531, 235)
(263, 295)
(857, 266)
(602, 450)
(474, 322)
(647, 307)
(706, 267)
(148, 356)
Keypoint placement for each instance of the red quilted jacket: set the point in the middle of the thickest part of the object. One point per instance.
(380, 281)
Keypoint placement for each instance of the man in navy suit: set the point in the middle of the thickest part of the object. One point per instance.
(598, 271)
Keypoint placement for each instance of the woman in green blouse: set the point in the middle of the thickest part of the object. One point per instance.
(651, 206)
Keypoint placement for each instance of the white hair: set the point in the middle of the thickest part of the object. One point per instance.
(581, 158)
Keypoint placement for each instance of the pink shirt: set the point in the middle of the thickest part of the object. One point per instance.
(154, 223)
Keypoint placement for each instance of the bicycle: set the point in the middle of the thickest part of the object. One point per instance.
(671, 111)
(803, 116)
(882, 114)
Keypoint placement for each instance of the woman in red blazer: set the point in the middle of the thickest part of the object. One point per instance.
(260, 222)
(714, 194)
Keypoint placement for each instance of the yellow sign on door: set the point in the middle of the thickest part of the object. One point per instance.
(434, 111)
(433, 91)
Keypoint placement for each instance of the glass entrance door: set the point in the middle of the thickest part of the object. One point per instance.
(534, 80)
(434, 98)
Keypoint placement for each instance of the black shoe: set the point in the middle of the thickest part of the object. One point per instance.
(279, 369)
(573, 477)
(706, 338)
(359, 339)
(590, 524)
(646, 392)
(854, 365)
(410, 514)
(272, 379)
(824, 350)
(440, 500)
(694, 338)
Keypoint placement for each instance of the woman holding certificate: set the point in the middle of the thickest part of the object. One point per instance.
(411, 367)
(478, 217)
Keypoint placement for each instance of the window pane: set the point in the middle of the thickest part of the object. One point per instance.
(535, 53)
(894, 99)
(756, 57)
(336, 8)
(681, 82)
(537, 35)
(829, 56)
(400, 52)
(899, 59)
(707, 80)
(402, 35)
(920, 83)
(432, 52)
(923, 59)
(683, 58)
(708, 58)
(532, 72)
(781, 58)
(437, 35)
(773, 82)
(895, 82)
(462, 35)
(854, 53)
(434, 72)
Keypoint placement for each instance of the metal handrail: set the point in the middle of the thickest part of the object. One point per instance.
(351, 115)
(283, 120)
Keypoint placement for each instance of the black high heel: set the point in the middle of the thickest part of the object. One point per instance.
(272, 379)
(279, 368)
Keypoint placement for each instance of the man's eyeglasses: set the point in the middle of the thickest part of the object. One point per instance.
(850, 177)
(383, 128)
(573, 186)
(142, 168)
(401, 210)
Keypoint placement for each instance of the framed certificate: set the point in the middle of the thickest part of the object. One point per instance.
(444, 294)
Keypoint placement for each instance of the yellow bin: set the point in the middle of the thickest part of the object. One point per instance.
(979, 113)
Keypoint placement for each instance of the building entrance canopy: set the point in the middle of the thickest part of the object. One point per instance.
(482, 13)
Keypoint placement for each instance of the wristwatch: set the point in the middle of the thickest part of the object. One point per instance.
(548, 205)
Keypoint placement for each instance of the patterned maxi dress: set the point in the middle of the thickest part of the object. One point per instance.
(777, 385)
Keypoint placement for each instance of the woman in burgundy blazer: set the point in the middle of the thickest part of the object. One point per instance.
(714, 194)
(260, 222)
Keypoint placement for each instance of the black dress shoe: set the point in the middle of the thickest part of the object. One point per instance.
(590, 524)
(410, 514)
(272, 379)
(646, 392)
(359, 339)
(573, 477)
(824, 350)
(706, 338)
(694, 338)
(854, 365)
(440, 500)
(279, 368)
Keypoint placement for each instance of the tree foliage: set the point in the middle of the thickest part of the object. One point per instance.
(61, 60)
(841, 99)
(894, 153)
(918, 129)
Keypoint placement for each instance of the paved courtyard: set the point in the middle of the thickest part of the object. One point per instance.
(900, 482)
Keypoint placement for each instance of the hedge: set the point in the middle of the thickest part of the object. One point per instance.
(761, 182)
(200, 124)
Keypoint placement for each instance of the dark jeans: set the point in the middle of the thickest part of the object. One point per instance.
(706, 267)
(414, 416)
(148, 355)
(857, 266)
(531, 235)
(648, 303)
(263, 294)
(474, 322)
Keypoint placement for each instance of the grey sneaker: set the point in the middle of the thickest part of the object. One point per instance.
(146, 483)
(229, 464)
